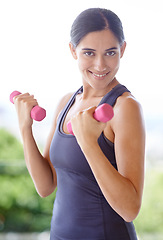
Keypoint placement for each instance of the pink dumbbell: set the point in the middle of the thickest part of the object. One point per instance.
(37, 113)
(103, 113)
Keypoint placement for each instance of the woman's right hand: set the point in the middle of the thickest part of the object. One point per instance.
(24, 104)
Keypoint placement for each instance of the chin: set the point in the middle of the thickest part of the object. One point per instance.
(101, 84)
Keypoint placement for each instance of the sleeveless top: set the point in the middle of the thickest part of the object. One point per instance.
(80, 211)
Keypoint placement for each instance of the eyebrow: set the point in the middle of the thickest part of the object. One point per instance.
(90, 49)
(109, 49)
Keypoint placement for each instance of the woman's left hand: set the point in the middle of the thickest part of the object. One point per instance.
(85, 128)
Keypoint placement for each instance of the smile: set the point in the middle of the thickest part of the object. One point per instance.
(99, 75)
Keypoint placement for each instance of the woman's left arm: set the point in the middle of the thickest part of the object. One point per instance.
(123, 188)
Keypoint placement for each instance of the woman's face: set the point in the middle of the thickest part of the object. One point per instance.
(98, 55)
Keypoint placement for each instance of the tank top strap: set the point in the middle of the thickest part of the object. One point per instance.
(112, 96)
(69, 104)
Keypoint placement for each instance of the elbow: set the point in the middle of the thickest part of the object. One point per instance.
(130, 218)
(45, 193)
(132, 213)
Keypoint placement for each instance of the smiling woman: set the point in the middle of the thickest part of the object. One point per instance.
(99, 172)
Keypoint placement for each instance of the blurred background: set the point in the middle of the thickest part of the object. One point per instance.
(35, 58)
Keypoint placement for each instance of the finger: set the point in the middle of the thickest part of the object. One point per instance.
(21, 96)
(25, 98)
(90, 110)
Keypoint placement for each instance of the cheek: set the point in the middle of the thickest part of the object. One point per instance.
(83, 64)
(114, 64)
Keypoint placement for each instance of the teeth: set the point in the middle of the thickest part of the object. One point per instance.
(97, 75)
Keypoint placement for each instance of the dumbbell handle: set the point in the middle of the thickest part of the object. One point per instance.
(37, 113)
(103, 113)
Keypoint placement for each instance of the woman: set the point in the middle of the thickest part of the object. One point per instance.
(99, 172)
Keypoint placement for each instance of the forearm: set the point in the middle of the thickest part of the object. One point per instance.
(118, 190)
(38, 167)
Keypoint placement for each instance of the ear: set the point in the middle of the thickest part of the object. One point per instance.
(123, 47)
(73, 51)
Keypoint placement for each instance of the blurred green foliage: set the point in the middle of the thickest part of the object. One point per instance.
(10, 148)
(21, 208)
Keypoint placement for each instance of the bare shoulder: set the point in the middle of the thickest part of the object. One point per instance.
(126, 100)
(127, 105)
(128, 115)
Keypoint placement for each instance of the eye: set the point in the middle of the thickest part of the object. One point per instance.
(89, 54)
(111, 53)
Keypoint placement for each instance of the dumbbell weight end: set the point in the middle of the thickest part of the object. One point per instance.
(37, 113)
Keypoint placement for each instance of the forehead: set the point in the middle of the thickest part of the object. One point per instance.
(99, 40)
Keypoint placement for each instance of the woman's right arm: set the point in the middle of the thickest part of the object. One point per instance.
(39, 166)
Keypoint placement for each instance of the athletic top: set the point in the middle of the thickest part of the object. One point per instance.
(80, 211)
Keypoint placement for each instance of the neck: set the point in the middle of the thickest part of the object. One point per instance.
(90, 92)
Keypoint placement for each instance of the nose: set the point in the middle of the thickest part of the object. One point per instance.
(99, 64)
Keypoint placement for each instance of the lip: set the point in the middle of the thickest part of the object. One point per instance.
(98, 75)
